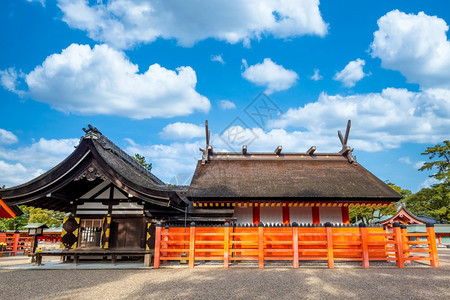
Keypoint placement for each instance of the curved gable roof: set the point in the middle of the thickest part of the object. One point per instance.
(97, 157)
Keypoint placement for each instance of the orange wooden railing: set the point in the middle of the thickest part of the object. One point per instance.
(15, 243)
(290, 243)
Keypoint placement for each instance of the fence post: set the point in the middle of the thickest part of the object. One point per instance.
(364, 244)
(434, 262)
(261, 245)
(165, 245)
(192, 246)
(157, 245)
(405, 242)
(226, 244)
(330, 256)
(295, 244)
(399, 245)
(16, 237)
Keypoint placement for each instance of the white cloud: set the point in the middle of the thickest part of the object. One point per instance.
(7, 137)
(352, 73)
(182, 131)
(8, 80)
(15, 174)
(227, 104)
(218, 58)
(379, 120)
(103, 81)
(174, 163)
(405, 160)
(316, 76)
(42, 2)
(418, 164)
(275, 77)
(21, 164)
(124, 23)
(429, 182)
(42, 154)
(415, 45)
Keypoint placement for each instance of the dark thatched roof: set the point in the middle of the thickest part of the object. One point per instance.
(95, 155)
(286, 177)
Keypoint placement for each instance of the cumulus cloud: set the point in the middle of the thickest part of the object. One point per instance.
(21, 164)
(7, 137)
(352, 73)
(102, 80)
(15, 174)
(275, 77)
(380, 120)
(174, 163)
(182, 131)
(316, 76)
(218, 58)
(9, 80)
(124, 23)
(43, 153)
(415, 45)
(227, 104)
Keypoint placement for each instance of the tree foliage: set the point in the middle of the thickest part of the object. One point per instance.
(142, 161)
(33, 215)
(370, 215)
(443, 165)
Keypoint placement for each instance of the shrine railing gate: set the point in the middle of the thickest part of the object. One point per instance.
(15, 243)
(294, 243)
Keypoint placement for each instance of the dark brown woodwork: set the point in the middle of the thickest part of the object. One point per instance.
(128, 233)
(244, 149)
(311, 150)
(278, 150)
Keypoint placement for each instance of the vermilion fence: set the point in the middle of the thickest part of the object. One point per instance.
(292, 243)
(15, 243)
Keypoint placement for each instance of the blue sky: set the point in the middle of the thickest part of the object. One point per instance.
(148, 73)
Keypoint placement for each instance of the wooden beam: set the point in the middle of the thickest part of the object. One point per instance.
(345, 150)
(244, 149)
(278, 150)
(347, 131)
(311, 150)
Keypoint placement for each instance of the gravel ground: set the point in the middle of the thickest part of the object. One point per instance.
(413, 282)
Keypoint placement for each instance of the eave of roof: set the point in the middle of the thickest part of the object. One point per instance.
(321, 176)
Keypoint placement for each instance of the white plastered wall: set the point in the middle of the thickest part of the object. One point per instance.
(271, 215)
(300, 214)
(243, 214)
(330, 214)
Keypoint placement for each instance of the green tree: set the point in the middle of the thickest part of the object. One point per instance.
(442, 165)
(434, 201)
(33, 215)
(142, 161)
(370, 215)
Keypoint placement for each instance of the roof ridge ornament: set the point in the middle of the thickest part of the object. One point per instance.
(208, 150)
(90, 173)
(346, 151)
(92, 132)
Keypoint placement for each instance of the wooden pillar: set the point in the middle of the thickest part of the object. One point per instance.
(399, 245)
(106, 231)
(157, 245)
(315, 215)
(405, 242)
(16, 237)
(192, 246)
(286, 216)
(330, 254)
(226, 244)
(434, 262)
(256, 214)
(345, 215)
(2, 237)
(364, 244)
(295, 245)
(260, 245)
(439, 238)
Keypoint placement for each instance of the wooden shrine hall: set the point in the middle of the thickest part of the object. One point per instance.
(280, 187)
(112, 200)
(115, 203)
